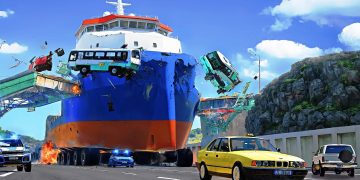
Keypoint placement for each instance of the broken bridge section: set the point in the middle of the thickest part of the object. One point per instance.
(32, 89)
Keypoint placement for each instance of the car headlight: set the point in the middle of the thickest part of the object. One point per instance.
(263, 163)
(297, 164)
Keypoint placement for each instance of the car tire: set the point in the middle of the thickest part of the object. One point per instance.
(27, 167)
(84, 70)
(322, 172)
(204, 173)
(209, 77)
(63, 158)
(114, 71)
(351, 172)
(19, 168)
(313, 170)
(68, 159)
(76, 158)
(237, 173)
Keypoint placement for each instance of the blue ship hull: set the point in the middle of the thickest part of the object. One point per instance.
(154, 110)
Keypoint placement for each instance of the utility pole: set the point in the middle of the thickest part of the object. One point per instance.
(255, 55)
(259, 75)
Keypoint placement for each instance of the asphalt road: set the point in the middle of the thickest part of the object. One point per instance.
(53, 172)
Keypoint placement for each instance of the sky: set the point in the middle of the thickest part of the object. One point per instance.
(280, 32)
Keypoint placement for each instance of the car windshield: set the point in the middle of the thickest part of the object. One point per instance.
(10, 143)
(239, 144)
(337, 149)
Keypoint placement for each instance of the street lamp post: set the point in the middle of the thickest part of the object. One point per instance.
(254, 54)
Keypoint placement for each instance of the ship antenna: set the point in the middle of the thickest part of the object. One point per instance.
(119, 6)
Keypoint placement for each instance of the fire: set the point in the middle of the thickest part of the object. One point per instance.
(48, 153)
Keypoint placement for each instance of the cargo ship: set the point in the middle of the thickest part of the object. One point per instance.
(150, 113)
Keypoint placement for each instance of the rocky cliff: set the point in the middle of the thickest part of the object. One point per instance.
(319, 92)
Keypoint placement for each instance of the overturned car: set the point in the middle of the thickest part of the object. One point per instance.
(219, 72)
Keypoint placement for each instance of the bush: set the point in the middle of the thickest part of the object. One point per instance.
(303, 105)
(346, 64)
(289, 81)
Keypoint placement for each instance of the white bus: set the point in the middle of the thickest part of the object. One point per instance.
(119, 62)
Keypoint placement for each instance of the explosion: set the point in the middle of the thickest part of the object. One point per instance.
(48, 153)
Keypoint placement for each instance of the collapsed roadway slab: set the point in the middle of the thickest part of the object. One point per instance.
(31, 89)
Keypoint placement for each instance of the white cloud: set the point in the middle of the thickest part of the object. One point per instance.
(319, 11)
(350, 36)
(281, 25)
(263, 63)
(13, 48)
(5, 14)
(265, 74)
(285, 49)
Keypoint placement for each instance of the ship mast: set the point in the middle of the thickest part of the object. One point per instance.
(119, 6)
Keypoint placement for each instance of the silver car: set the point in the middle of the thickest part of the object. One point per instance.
(334, 157)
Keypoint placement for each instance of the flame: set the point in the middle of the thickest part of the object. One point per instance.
(48, 153)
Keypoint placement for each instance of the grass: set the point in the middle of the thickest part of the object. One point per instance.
(289, 81)
(303, 105)
(346, 64)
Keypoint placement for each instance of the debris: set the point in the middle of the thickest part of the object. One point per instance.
(45, 45)
(18, 62)
(60, 52)
(124, 46)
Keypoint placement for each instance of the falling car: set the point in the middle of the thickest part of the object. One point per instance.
(334, 157)
(241, 157)
(219, 71)
(121, 158)
(14, 153)
(44, 63)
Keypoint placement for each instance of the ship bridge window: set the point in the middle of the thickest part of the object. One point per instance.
(141, 25)
(154, 45)
(99, 27)
(124, 24)
(136, 44)
(133, 24)
(99, 55)
(90, 29)
(89, 55)
(106, 27)
(150, 26)
(163, 32)
(114, 24)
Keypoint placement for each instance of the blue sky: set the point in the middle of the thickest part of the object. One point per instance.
(281, 32)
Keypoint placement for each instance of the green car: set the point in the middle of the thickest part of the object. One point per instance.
(219, 71)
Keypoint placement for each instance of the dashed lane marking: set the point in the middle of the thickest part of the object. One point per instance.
(7, 174)
(167, 178)
(129, 173)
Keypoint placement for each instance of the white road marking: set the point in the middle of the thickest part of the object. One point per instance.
(129, 173)
(7, 174)
(167, 178)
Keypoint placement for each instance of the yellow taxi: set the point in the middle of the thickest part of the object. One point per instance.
(247, 157)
